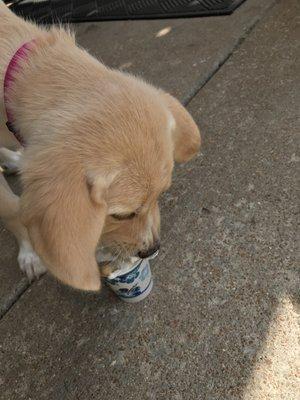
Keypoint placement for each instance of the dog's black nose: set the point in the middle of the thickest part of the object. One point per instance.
(150, 251)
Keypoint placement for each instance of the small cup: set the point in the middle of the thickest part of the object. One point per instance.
(132, 284)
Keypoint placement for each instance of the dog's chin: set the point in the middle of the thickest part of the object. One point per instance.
(109, 254)
(109, 259)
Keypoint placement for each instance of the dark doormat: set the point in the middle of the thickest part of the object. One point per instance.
(49, 11)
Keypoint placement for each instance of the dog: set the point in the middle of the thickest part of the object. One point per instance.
(99, 150)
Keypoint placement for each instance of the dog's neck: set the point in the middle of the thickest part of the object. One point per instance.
(12, 70)
(46, 98)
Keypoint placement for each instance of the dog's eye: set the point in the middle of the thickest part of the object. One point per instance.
(121, 217)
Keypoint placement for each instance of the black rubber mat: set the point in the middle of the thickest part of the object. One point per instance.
(49, 11)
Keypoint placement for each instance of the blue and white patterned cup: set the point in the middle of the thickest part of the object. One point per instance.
(132, 284)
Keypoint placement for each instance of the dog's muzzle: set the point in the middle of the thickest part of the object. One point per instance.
(150, 251)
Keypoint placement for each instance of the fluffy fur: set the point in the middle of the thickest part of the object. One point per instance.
(101, 143)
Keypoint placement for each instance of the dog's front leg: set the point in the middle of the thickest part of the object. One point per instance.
(29, 261)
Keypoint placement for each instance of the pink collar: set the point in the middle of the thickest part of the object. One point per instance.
(9, 78)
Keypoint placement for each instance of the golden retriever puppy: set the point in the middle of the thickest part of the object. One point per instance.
(100, 148)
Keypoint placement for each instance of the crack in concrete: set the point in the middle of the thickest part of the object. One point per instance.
(14, 296)
(204, 80)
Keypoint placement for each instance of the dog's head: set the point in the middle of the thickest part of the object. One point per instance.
(101, 175)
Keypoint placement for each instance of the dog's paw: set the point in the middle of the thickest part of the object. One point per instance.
(29, 262)
(10, 161)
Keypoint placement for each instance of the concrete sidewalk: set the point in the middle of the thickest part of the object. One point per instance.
(222, 320)
(185, 59)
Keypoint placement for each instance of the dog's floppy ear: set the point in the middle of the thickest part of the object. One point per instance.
(186, 134)
(64, 211)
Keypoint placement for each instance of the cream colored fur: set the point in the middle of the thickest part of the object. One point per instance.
(100, 143)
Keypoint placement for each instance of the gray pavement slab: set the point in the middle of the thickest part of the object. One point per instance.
(180, 61)
(12, 282)
(228, 257)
